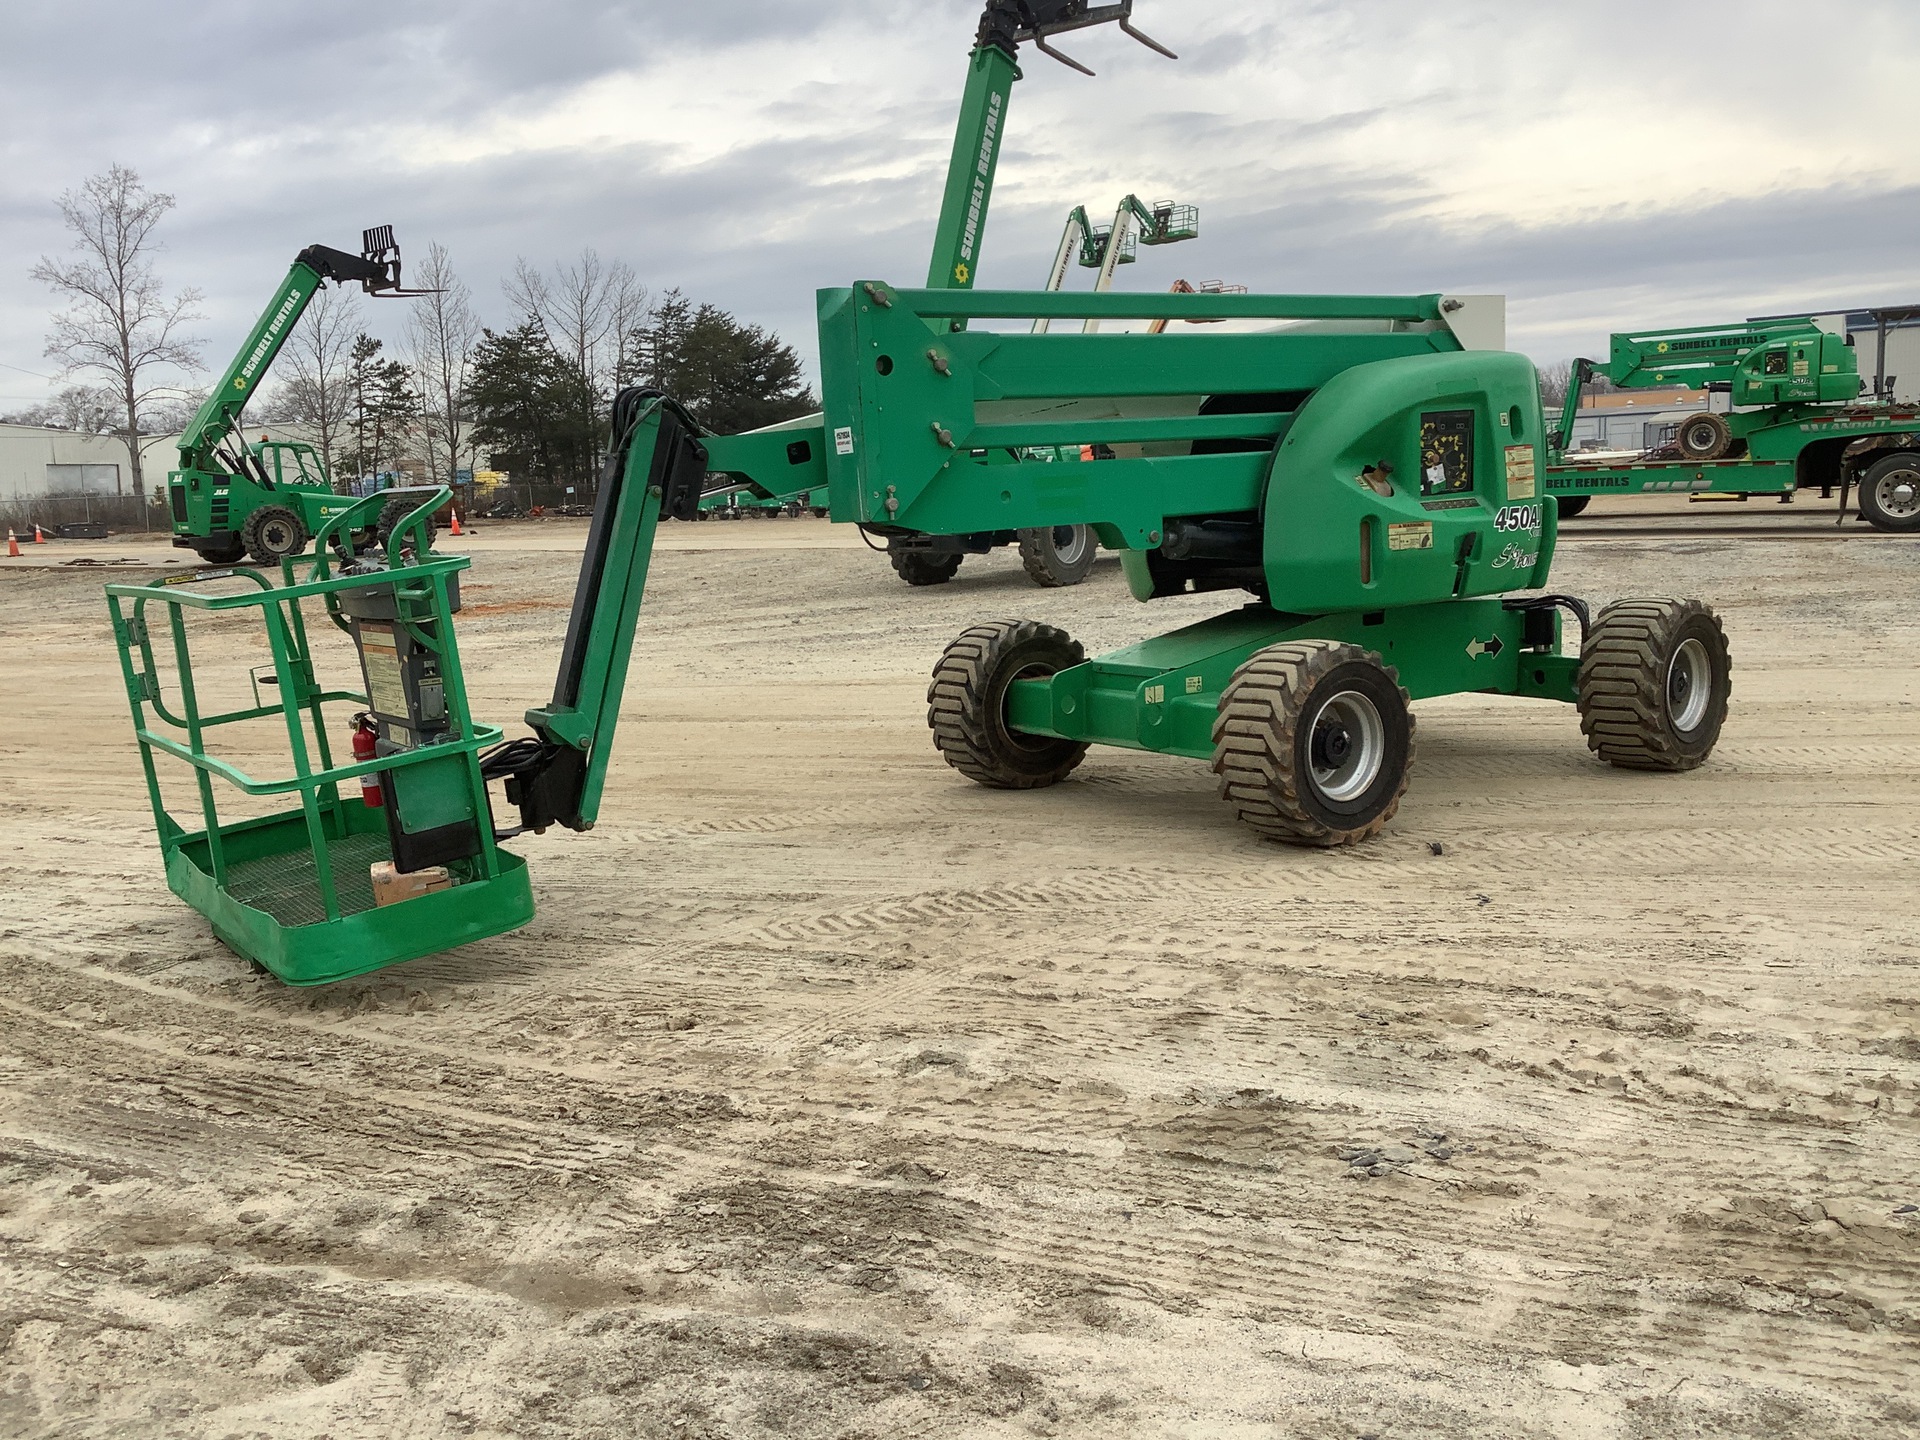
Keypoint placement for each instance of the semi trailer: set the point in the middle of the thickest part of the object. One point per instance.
(1794, 421)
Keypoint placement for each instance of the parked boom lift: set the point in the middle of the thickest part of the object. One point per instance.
(1366, 470)
(1795, 421)
(230, 499)
(1106, 247)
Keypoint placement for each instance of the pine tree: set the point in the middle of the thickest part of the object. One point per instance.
(730, 376)
(525, 400)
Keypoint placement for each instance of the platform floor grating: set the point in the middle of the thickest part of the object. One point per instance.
(287, 887)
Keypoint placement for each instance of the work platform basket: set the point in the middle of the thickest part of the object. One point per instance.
(292, 890)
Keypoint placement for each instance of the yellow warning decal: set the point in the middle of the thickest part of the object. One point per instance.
(1520, 478)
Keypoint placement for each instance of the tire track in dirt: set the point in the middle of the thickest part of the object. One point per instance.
(1070, 1071)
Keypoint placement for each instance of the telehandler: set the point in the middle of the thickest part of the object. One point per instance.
(230, 499)
(1366, 471)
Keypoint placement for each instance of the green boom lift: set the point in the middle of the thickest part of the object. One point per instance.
(230, 499)
(1052, 555)
(1360, 469)
(1796, 422)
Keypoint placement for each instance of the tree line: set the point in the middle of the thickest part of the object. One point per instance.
(532, 398)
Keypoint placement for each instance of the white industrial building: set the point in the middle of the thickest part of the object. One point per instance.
(1632, 419)
(39, 462)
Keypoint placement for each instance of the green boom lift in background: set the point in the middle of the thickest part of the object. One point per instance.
(1052, 555)
(230, 499)
(1802, 424)
(1364, 470)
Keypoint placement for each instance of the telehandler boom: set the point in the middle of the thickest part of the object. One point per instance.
(1365, 470)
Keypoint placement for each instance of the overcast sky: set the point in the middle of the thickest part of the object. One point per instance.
(1604, 166)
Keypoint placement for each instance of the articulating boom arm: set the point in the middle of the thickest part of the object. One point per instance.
(656, 466)
(1577, 377)
(1105, 248)
(377, 268)
(1763, 362)
(1696, 355)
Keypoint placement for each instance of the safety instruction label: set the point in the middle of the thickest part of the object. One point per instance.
(1412, 535)
(385, 691)
(843, 440)
(1520, 480)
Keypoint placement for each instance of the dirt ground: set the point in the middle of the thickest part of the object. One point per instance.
(830, 1095)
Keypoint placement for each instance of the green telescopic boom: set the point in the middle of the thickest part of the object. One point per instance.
(976, 152)
(219, 417)
(983, 119)
(1696, 355)
(377, 268)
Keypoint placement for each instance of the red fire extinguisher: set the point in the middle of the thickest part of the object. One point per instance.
(363, 750)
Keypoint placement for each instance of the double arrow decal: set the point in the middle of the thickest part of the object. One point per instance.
(1478, 647)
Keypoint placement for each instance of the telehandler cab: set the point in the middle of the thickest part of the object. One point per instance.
(1366, 470)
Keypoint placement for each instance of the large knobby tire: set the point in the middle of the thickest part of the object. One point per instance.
(923, 567)
(1571, 505)
(1313, 743)
(1058, 555)
(967, 704)
(1703, 435)
(1890, 492)
(229, 554)
(393, 512)
(273, 533)
(1653, 684)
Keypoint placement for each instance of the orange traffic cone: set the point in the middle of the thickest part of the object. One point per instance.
(13, 546)
(456, 521)
(38, 538)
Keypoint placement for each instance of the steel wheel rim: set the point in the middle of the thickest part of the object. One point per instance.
(1698, 436)
(1021, 738)
(1689, 685)
(1898, 493)
(1346, 746)
(1070, 543)
(278, 534)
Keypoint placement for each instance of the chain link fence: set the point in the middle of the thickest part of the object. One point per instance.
(118, 513)
(512, 499)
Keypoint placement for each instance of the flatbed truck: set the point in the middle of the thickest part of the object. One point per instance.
(1796, 423)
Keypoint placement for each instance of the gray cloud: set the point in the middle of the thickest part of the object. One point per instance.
(750, 151)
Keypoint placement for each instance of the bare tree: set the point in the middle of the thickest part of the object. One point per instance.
(1555, 378)
(119, 323)
(83, 409)
(590, 311)
(172, 414)
(318, 367)
(630, 307)
(442, 331)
